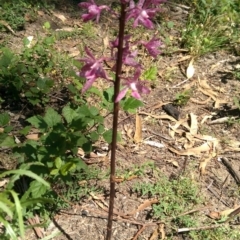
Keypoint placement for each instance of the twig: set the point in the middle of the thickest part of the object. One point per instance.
(181, 230)
(159, 135)
(233, 214)
(194, 210)
(231, 169)
(217, 196)
(178, 5)
(139, 232)
(181, 83)
(222, 120)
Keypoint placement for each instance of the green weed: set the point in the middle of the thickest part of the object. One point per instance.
(182, 98)
(176, 198)
(31, 75)
(211, 26)
(16, 13)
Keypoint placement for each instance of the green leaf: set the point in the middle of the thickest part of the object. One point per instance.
(6, 209)
(94, 111)
(58, 162)
(19, 213)
(94, 136)
(150, 74)
(27, 173)
(47, 25)
(37, 122)
(131, 104)
(108, 95)
(108, 136)
(25, 130)
(4, 119)
(9, 229)
(170, 24)
(8, 129)
(101, 129)
(44, 84)
(66, 168)
(6, 58)
(8, 142)
(84, 111)
(52, 118)
(69, 114)
(37, 189)
(35, 201)
(54, 172)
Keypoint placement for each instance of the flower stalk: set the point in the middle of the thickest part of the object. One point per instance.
(115, 118)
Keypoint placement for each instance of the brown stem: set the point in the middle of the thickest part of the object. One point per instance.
(115, 119)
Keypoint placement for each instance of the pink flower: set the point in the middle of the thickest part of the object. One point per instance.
(128, 56)
(91, 70)
(94, 10)
(137, 86)
(152, 46)
(141, 13)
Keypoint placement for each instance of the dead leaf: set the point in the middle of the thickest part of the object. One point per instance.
(6, 25)
(175, 128)
(214, 215)
(143, 206)
(162, 231)
(190, 69)
(207, 146)
(128, 130)
(34, 136)
(173, 162)
(82, 183)
(162, 116)
(3, 182)
(200, 102)
(80, 152)
(65, 29)
(40, 13)
(73, 52)
(208, 93)
(205, 118)
(224, 213)
(193, 124)
(227, 212)
(218, 102)
(154, 144)
(59, 16)
(1, 130)
(118, 179)
(154, 235)
(106, 42)
(138, 130)
(122, 179)
(159, 105)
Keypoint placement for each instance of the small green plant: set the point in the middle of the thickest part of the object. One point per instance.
(16, 13)
(176, 198)
(31, 75)
(211, 26)
(236, 74)
(13, 208)
(182, 98)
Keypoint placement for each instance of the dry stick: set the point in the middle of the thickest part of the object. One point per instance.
(139, 232)
(115, 119)
(181, 230)
(233, 214)
(232, 171)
